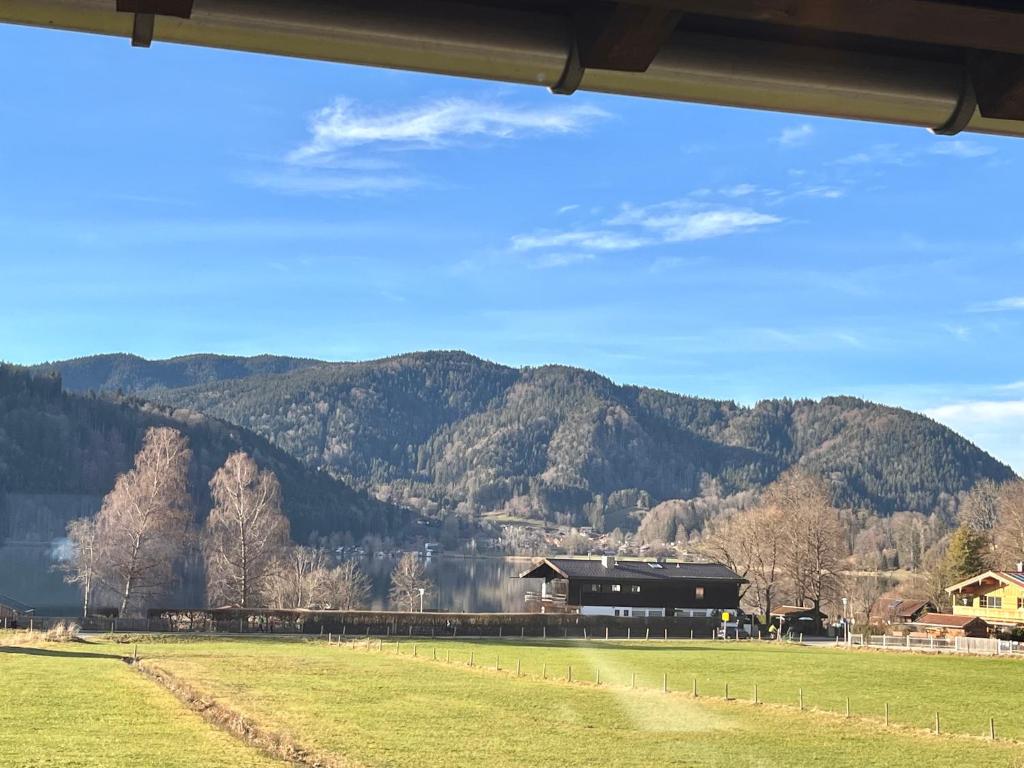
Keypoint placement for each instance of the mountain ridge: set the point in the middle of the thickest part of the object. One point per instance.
(445, 431)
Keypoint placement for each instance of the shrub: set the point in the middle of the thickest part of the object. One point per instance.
(63, 632)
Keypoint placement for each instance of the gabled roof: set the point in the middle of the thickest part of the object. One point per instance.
(905, 609)
(1012, 578)
(592, 569)
(10, 602)
(947, 620)
(793, 610)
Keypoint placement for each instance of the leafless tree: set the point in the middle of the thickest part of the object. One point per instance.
(980, 507)
(408, 578)
(813, 548)
(245, 534)
(350, 587)
(750, 542)
(1008, 532)
(144, 522)
(81, 566)
(301, 579)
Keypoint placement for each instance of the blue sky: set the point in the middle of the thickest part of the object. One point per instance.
(176, 200)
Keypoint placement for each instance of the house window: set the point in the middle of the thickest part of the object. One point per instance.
(699, 593)
(616, 587)
(595, 587)
(1020, 603)
(988, 601)
(634, 587)
(625, 611)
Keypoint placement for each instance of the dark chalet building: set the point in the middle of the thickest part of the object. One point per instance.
(633, 588)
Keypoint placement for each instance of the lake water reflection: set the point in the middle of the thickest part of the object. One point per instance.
(481, 584)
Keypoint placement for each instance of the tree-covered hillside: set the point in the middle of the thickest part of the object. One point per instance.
(130, 373)
(445, 430)
(54, 443)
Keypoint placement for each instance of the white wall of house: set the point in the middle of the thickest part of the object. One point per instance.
(624, 611)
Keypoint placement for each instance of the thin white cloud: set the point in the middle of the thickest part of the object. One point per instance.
(684, 227)
(343, 124)
(600, 240)
(1009, 304)
(995, 425)
(567, 208)
(333, 183)
(739, 190)
(553, 260)
(796, 136)
(961, 148)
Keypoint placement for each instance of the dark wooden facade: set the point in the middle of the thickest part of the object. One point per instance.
(602, 587)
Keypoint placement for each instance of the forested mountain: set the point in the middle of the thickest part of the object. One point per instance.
(64, 446)
(445, 431)
(130, 373)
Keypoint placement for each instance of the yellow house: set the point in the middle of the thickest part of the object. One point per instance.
(995, 596)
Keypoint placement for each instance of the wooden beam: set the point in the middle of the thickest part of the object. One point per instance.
(623, 36)
(924, 21)
(179, 8)
(998, 80)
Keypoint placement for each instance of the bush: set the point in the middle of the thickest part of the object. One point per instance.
(63, 632)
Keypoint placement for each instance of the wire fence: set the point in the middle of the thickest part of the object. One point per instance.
(508, 664)
(987, 646)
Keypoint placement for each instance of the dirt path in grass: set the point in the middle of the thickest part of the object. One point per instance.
(274, 743)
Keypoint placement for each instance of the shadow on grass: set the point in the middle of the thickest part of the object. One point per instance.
(54, 653)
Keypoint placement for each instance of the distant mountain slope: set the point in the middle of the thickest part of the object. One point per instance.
(57, 444)
(445, 429)
(132, 374)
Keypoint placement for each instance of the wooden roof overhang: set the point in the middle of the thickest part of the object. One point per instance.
(986, 582)
(947, 65)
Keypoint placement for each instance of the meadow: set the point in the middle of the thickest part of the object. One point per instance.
(368, 704)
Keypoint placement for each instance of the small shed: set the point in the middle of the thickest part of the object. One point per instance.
(948, 625)
(901, 610)
(12, 610)
(798, 618)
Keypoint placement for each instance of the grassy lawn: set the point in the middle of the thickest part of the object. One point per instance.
(77, 704)
(388, 709)
(965, 690)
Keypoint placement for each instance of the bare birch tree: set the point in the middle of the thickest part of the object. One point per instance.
(301, 579)
(350, 587)
(408, 578)
(245, 533)
(813, 547)
(750, 542)
(142, 527)
(82, 563)
(1008, 533)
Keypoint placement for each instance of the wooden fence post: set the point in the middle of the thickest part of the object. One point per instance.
(726, 691)
(847, 706)
(664, 682)
(517, 667)
(606, 633)
(471, 658)
(755, 693)
(992, 729)
(629, 633)
(801, 697)
(647, 636)
(544, 671)
(691, 633)
(938, 730)
(887, 713)
(598, 675)
(666, 633)
(632, 682)
(695, 687)
(568, 674)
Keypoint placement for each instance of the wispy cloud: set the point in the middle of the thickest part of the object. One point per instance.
(344, 124)
(684, 220)
(307, 182)
(553, 260)
(1009, 304)
(601, 240)
(961, 148)
(796, 136)
(567, 208)
(996, 425)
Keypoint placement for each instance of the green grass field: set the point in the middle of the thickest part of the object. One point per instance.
(386, 708)
(77, 704)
